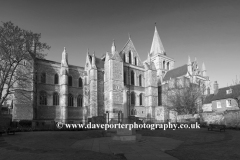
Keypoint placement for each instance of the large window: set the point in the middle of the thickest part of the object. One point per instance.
(132, 98)
(80, 83)
(55, 99)
(141, 99)
(140, 80)
(124, 58)
(163, 64)
(125, 77)
(70, 100)
(43, 78)
(56, 79)
(167, 65)
(43, 98)
(79, 101)
(218, 104)
(229, 103)
(130, 57)
(70, 80)
(132, 78)
(159, 95)
(135, 60)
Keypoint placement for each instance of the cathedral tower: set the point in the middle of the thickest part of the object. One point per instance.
(158, 56)
(113, 82)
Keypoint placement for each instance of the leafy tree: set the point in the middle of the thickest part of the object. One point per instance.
(183, 96)
(18, 50)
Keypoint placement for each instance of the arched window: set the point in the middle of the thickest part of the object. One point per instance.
(132, 78)
(70, 80)
(140, 99)
(159, 95)
(135, 61)
(168, 65)
(55, 99)
(56, 79)
(80, 82)
(130, 57)
(125, 77)
(43, 78)
(132, 98)
(43, 98)
(80, 101)
(163, 64)
(124, 58)
(70, 100)
(140, 80)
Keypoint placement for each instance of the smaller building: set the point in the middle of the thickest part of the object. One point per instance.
(222, 99)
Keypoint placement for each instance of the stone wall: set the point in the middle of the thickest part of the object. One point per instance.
(53, 113)
(229, 118)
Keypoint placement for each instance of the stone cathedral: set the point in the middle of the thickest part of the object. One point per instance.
(117, 82)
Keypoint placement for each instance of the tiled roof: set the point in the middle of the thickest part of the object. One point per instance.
(208, 99)
(176, 72)
(222, 94)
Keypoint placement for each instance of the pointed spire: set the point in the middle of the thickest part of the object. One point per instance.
(93, 60)
(204, 71)
(149, 59)
(87, 51)
(189, 61)
(203, 67)
(129, 36)
(64, 61)
(157, 46)
(113, 49)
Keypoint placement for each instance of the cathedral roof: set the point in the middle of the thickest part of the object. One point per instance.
(157, 46)
(176, 72)
(99, 63)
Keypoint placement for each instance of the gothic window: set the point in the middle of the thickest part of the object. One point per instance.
(43, 78)
(43, 98)
(70, 100)
(70, 80)
(132, 98)
(124, 58)
(140, 99)
(163, 64)
(79, 101)
(55, 99)
(140, 80)
(125, 77)
(159, 95)
(135, 61)
(167, 65)
(80, 82)
(132, 78)
(130, 57)
(56, 79)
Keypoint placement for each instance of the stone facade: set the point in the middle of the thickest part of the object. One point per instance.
(117, 82)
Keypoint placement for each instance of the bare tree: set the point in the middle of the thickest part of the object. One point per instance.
(18, 50)
(183, 96)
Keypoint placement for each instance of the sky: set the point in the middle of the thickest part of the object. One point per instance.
(207, 30)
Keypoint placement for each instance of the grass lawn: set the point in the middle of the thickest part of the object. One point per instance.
(200, 144)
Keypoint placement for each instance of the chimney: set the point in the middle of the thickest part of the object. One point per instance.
(215, 87)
